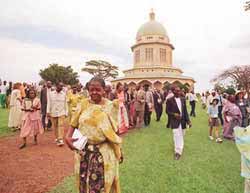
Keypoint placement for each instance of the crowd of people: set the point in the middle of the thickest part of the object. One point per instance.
(232, 112)
(104, 113)
(226, 110)
(58, 103)
(37, 108)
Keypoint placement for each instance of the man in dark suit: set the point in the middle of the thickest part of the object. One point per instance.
(43, 98)
(158, 103)
(178, 115)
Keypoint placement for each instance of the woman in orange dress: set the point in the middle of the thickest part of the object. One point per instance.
(31, 120)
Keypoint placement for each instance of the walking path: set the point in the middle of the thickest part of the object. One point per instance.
(34, 169)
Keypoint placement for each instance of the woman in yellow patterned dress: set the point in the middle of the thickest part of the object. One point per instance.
(97, 166)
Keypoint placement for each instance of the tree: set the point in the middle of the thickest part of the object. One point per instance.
(247, 6)
(237, 75)
(166, 86)
(229, 89)
(56, 73)
(219, 87)
(101, 69)
(185, 87)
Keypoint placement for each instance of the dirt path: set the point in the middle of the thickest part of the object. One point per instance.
(34, 169)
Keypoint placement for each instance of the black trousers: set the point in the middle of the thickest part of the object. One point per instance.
(158, 111)
(44, 122)
(192, 104)
(147, 115)
(168, 123)
(220, 114)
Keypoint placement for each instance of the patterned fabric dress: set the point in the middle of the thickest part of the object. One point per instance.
(242, 140)
(123, 122)
(31, 121)
(243, 105)
(97, 167)
(233, 115)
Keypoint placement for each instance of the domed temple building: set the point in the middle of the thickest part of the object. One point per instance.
(153, 59)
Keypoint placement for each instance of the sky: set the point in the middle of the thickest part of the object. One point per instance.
(208, 36)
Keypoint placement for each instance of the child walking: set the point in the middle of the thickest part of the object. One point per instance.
(31, 120)
(214, 124)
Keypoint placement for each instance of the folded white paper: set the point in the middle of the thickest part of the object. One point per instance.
(82, 140)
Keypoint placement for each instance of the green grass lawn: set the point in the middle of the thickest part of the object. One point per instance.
(206, 167)
(4, 130)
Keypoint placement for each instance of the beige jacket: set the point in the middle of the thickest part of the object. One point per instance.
(140, 99)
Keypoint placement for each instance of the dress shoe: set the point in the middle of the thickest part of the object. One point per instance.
(60, 143)
(177, 156)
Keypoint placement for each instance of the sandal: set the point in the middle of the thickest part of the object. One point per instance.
(22, 146)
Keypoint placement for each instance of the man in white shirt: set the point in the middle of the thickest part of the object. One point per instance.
(192, 100)
(3, 90)
(178, 117)
(57, 110)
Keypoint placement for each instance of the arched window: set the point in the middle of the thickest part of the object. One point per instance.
(145, 82)
(132, 85)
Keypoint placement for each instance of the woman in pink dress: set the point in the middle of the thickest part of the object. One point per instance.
(232, 117)
(122, 114)
(31, 120)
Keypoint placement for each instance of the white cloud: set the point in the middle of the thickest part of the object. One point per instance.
(209, 36)
(23, 61)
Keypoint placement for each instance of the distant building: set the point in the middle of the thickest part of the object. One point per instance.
(153, 59)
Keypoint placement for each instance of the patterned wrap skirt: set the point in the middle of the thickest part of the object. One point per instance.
(92, 170)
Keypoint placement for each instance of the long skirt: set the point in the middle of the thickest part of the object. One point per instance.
(15, 117)
(123, 120)
(97, 170)
(131, 114)
(92, 172)
(3, 100)
(244, 122)
(31, 128)
(228, 127)
(247, 185)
